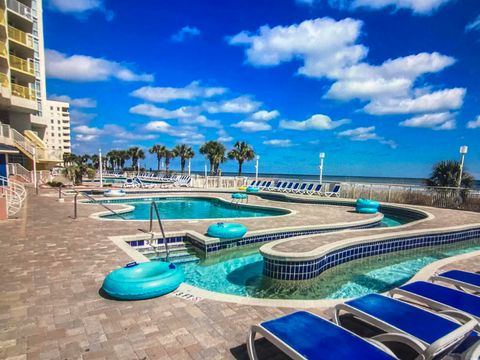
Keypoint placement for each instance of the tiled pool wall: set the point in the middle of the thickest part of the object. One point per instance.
(255, 239)
(305, 270)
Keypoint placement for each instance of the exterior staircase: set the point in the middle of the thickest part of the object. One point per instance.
(15, 194)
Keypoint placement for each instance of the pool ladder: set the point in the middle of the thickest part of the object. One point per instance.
(153, 207)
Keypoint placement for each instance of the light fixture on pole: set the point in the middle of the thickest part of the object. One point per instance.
(206, 176)
(256, 168)
(189, 166)
(463, 152)
(322, 156)
(101, 166)
(34, 160)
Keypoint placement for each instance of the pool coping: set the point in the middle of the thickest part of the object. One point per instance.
(128, 208)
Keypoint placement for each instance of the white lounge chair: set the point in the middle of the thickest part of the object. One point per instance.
(335, 191)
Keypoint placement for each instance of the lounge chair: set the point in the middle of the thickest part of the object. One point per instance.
(266, 186)
(440, 298)
(262, 185)
(301, 188)
(308, 189)
(287, 187)
(315, 190)
(282, 186)
(435, 335)
(294, 187)
(335, 191)
(303, 335)
(130, 183)
(464, 280)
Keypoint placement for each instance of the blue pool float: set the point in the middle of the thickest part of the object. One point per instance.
(251, 189)
(143, 281)
(239, 196)
(227, 230)
(366, 206)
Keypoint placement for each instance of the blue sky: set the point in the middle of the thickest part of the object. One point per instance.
(383, 87)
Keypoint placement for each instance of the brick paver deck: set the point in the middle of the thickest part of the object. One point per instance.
(51, 270)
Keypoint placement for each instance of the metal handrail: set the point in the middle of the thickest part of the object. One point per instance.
(153, 206)
(95, 201)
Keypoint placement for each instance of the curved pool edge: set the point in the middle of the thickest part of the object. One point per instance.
(102, 215)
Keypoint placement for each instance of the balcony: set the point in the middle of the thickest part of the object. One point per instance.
(23, 92)
(21, 37)
(4, 80)
(3, 54)
(25, 66)
(20, 9)
(2, 17)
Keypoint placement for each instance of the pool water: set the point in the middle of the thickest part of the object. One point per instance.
(193, 208)
(239, 272)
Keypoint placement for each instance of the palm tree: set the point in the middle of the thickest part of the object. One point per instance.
(169, 155)
(241, 152)
(159, 150)
(84, 158)
(446, 173)
(95, 160)
(122, 156)
(185, 152)
(69, 158)
(135, 154)
(112, 158)
(215, 153)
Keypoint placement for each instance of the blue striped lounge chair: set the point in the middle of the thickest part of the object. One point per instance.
(440, 298)
(316, 189)
(303, 335)
(262, 185)
(288, 187)
(267, 185)
(301, 188)
(282, 186)
(435, 335)
(335, 191)
(464, 280)
(308, 189)
(294, 187)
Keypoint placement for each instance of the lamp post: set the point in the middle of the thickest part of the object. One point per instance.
(206, 178)
(100, 166)
(463, 152)
(189, 166)
(34, 159)
(322, 156)
(256, 168)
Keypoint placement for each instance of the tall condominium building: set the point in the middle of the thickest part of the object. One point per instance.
(23, 102)
(57, 135)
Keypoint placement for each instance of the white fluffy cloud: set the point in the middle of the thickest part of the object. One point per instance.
(474, 124)
(223, 136)
(436, 121)
(330, 49)
(279, 142)
(264, 115)
(77, 102)
(162, 113)
(316, 122)
(240, 105)
(87, 68)
(448, 99)
(200, 120)
(185, 32)
(185, 134)
(80, 7)
(192, 91)
(84, 133)
(252, 126)
(364, 134)
(325, 45)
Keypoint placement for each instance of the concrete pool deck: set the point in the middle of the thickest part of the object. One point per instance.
(51, 270)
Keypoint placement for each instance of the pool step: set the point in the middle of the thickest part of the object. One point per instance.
(180, 253)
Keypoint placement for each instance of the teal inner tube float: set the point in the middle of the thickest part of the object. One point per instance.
(366, 206)
(251, 189)
(239, 196)
(227, 230)
(143, 281)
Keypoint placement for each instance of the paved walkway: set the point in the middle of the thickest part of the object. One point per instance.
(51, 268)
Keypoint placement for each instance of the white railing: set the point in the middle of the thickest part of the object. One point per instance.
(14, 193)
(18, 170)
(23, 142)
(20, 8)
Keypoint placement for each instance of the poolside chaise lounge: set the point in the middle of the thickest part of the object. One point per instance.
(464, 280)
(437, 335)
(266, 185)
(303, 335)
(294, 187)
(301, 188)
(315, 190)
(282, 186)
(335, 191)
(287, 187)
(440, 298)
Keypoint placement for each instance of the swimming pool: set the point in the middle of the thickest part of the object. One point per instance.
(239, 272)
(176, 208)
